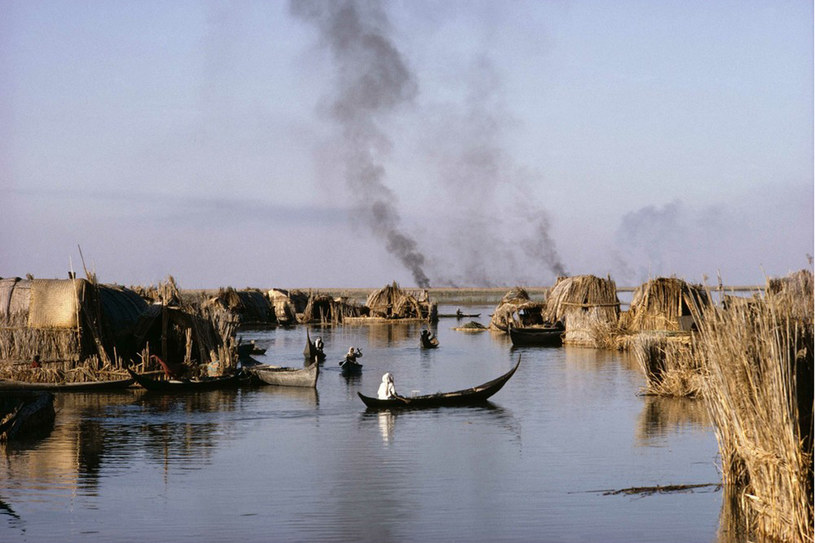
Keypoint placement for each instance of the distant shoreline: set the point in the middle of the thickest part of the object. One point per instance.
(456, 295)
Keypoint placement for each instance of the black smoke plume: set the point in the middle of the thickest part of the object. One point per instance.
(372, 80)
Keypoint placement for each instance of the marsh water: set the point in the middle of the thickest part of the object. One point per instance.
(285, 464)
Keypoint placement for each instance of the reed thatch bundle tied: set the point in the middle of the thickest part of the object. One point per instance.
(391, 302)
(583, 303)
(758, 363)
(663, 304)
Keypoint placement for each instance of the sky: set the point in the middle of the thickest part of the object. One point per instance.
(433, 143)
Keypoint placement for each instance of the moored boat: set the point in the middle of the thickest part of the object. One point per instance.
(287, 377)
(551, 336)
(471, 396)
(86, 386)
(182, 385)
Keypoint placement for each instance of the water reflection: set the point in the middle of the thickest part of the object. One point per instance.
(487, 413)
(662, 416)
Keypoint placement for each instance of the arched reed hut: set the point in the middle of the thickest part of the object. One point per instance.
(250, 306)
(391, 302)
(584, 303)
(322, 308)
(287, 304)
(663, 304)
(518, 309)
(66, 322)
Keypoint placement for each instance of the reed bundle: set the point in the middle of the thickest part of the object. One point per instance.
(668, 364)
(758, 366)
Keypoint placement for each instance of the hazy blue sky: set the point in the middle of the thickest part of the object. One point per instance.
(491, 142)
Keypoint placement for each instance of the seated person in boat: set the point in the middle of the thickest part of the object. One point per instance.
(427, 336)
(387, 389)
(318, 344)
(351, 356)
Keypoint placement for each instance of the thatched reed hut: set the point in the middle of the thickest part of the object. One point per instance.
(67, 323)
(286, 304)
(586, 304)
(663, 304)
(516, 308)
(250, 307)
(324, 309)
(391, 302)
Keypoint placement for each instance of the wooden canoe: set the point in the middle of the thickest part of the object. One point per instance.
(287, 377)
(183, 385)
(551, 336)
(350, 368)
(471, 396)
(88, 386)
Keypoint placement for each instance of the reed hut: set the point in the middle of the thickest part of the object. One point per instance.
(250, 306)
(287, 304)
(587, 305)
(391, 302)
(663, 304)
(67, 323)
(324, 309)
(516, 308)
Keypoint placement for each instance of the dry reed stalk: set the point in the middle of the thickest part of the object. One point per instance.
(669, 366)
(758, 362)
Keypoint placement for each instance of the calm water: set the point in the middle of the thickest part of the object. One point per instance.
(278, 464)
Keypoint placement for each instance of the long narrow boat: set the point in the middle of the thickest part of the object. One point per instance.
(182, 385)
(471, 396)
(551, 336)
(311, 352)
(288, 377)
(88, 386)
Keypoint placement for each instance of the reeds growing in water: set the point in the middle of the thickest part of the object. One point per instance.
(757, 362)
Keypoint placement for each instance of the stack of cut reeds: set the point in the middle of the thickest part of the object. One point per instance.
(758, 365)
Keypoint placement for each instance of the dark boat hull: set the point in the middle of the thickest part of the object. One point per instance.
(351, 368)
(68, 387)
(429, 343)
(162, 385)
(471, 396)
(550, 337)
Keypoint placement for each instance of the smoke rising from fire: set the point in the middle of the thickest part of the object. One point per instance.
(372, 80)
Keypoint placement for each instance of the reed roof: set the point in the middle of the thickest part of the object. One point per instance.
(663, 303)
